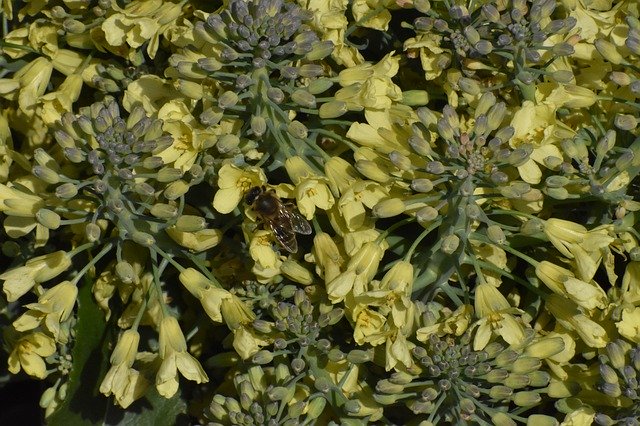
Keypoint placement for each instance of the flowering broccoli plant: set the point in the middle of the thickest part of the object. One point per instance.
(321, 212)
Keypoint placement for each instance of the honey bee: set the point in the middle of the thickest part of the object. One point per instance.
(281, 218)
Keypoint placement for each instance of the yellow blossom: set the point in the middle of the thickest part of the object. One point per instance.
(234, 183)
(369, 86)
(456, 323)
(188, 139)
(211, 296)
(341, 175)
(629, 324)
(18, 281)
(496, 317)
(353, 202)
(28, 354)
(326, 255)
(561, 281)
(398, 351)
(196, 241)
(361, 268)
(54, 307)
(536, 125)
(568, 315)
(563, 233)
(246, 341)
(123, 382)
(369, 327)
(174, 356)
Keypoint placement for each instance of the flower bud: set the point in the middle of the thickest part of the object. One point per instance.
(450, 244)
(296, 272)
(258, 125)
(388, 208)
(164, 211)
(48, 218)
(526, 398)
(168, 174)
(608, 51)
(332, 109)
(143, 238)
(303, 98)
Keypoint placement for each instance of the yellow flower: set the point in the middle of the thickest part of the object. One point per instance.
(54, 307)
(311, 190)
(140, 23)
(373, 13)
(361, 269)
(34, 78)
(234, 183)
(6, 144)
(563, 233)
(28, 354)
(188, 139)
(196, 241)
(369, 86)
(496, 317)
(18, 281)
(536, 125)
(569, 316)
(353, 202)
(629, 324)
(369, 327)
(174, 356)
(455, 323)
(398, 351)
(122, 381)
(247, 342)
(561, 281)
(150, 91)
(341, 175)
(330, 22)
(211, 296)
(326, 255)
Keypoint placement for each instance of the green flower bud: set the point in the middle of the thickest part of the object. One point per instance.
(500, 392)
(319, 85)
(415, 97)
(336, 355)
(228, 99)
(541, 420)
(352, 407)
(332, 109)
(387, 399)
(539, 379)
(506, 358)
(125, 272)
(168, 174)
(625, 122)
(426, 215)
(143, 238)
(526, 364)
(320, 50)
(358, 356)
(46, 174)
(262, 357)
(502, 419)
(517, 381)
(258, 125)
(526, 398)
(496, 234)
(469, 86)
(323, 384)
(47, 218)
(227, 143)
(303, 98)
(316, 407)
(164, 211)
(422, 185)
(450, 243)
(388, 208)
(190, 223)
(497, 375)
(297, 129)
(616, 354)
(608, 51)
(92, 232)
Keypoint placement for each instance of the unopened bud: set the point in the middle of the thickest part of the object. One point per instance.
(388, 208)
(258, 125)
(164, 211)
(168, 174)
(608, 51)
(143, 238)
(332, 109)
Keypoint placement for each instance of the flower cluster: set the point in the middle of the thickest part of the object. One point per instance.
(301, 211)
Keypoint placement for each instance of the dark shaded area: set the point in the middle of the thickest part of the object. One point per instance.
(19, 403)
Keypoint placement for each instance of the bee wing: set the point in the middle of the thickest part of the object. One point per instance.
(284, 234)
(299, 223)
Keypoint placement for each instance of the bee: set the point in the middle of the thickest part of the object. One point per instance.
(281, 218)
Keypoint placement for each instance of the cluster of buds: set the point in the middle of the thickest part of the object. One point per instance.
(618, 383)
(267, 395)
(518, 39)
(124, 180)
(262, 59)
(452, 381)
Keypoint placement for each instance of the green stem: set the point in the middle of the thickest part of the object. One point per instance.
(92, 262)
